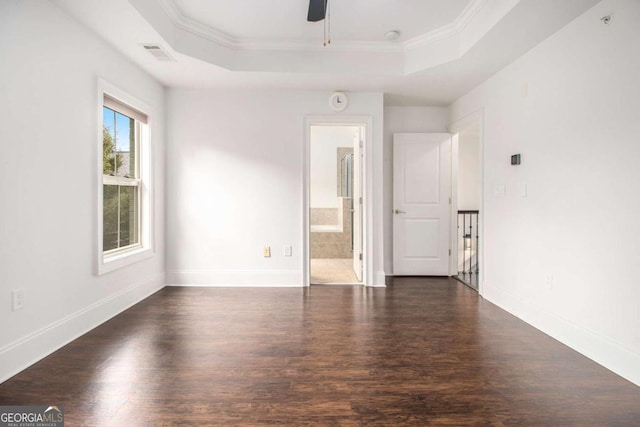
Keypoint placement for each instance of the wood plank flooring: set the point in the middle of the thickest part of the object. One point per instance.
(420, 352)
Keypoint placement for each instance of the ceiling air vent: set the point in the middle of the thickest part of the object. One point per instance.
(158, 52)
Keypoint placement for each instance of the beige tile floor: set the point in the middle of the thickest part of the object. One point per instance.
(338, 271)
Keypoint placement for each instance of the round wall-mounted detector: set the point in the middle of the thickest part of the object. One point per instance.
(392, 35)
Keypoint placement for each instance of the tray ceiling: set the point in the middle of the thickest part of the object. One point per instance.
(446, 48)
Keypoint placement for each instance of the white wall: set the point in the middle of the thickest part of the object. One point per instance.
(403, 119)
(48, 182)
(469, 169)
(564, 258)
(325, 141)
(235, 183)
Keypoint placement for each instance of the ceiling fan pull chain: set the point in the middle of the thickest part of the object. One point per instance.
(329, 21)
(324, 27)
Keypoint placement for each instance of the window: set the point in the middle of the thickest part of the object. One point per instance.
(124, 220)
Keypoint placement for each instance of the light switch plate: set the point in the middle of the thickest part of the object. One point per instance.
(499, 190)
(18, 299)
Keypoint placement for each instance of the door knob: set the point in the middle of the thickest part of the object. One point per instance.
(398, 211)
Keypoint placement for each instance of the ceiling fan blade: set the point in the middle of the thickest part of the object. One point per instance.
(317, 10)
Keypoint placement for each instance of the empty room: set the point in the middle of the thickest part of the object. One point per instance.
(319, 212)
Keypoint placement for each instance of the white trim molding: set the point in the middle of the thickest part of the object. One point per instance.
(106, 262)
(190, 36)
(186, 23)
(379, 279)
(368, 278)
(454, 129)
(190, 25)
(604, 351)
(24, 352)
(235, 278)
(449, 30)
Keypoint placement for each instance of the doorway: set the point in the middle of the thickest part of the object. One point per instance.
(468, 196)
(421, 204)
(335, 226)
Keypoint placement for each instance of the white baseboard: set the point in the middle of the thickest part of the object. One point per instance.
(235, 278)
(379, 279)
(24, 352)
(602, 350)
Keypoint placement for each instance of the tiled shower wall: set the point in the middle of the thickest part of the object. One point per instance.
(332, 244)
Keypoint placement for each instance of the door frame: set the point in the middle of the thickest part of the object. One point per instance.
(367, 190)
(455, 128)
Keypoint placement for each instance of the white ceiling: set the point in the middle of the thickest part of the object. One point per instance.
(352, 20)
(455, 47)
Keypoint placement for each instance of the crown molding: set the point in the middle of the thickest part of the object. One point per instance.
(448, 30)
(223, 39)
(185, 23)
(314, 45)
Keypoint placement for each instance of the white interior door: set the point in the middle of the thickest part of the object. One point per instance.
(357, 203)
(421, 203)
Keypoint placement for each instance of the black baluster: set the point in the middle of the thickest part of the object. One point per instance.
(464, 244)
(470, 244)
(457, 235)
(477, 242)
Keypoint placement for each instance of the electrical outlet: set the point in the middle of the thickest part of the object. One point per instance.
(18, 299)
(266, 251)
(288, 250)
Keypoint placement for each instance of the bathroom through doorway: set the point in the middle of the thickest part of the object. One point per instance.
(335, 204)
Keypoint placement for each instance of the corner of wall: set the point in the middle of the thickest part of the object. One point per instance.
(379, 280)
(22, 353)
(602, 350)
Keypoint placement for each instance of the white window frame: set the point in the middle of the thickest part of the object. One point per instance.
(121, 257)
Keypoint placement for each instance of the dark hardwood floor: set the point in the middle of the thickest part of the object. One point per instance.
(420, 352)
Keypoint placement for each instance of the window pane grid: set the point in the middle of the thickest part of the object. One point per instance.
(121, 216)
(121, 183)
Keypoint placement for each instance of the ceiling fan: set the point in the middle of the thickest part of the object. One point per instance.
(317, 10)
